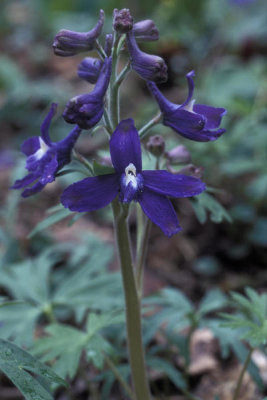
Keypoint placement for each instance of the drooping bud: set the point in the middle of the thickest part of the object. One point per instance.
(148, 66)
(68, 43)
(89, 69)
(87, 110)
(192, 170)
(146, 30)
(178, 155)
(122, 20)
(156, 145)
(108, 44)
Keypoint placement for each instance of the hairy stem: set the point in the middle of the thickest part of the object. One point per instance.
(114, 106)
(242, 373)
(133, 313)
(154, 121)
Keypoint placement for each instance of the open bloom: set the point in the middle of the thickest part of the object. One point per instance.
(194, 121)
(68, 43)
(150, 188)
(148, 66)
(45, 158)
(87, 109)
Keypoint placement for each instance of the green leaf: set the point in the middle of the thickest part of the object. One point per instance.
(51, 220)
(213, 300)
(64, 346)
(19, 366)
(172, 373)
(205, 202)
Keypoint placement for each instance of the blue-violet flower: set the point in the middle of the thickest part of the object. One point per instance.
(87, 109)
(44, 157)
(68, 43)
(148, 66)
(89, 69)
(150, 188)
(146, 30)
(197, 122)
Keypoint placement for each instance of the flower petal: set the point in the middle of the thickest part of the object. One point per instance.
(37, 187)
(212, 114)
(91, 193)
(174, 185)
(31, 145)
(191, 87)
(125, 147)
(159, 209)
(46, 124)
(27, 180)
(49, 171)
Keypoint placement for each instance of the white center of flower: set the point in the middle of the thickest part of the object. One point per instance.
(130, 175)
(189, 106)
(42, 150)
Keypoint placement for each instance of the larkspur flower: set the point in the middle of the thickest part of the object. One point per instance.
(69, 43)
(148, 66)
(87, 109)
(44, 157)
(150, 188)
(146, 30)
(89, 69)
(197, 122)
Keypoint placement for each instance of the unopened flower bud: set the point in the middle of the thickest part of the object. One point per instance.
(146, 30)
(122, 20)
(156, 145)
(68, 43)
(192, 170)
(108, 44)
(148, 66)
(89, 69)
(178, 154)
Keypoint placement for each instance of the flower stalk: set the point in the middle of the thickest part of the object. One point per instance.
(133, 313)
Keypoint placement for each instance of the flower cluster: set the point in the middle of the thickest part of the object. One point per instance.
(150, 188)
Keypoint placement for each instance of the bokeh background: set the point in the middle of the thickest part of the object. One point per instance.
(225, 42)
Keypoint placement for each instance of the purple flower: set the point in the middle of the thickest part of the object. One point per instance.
(148, 66)
(45, 158)
(146, 30)
(194, 121)
(122, 20)
(108, 44)
(87, 109)
(89, 69)
(68, 43)
(150, 188)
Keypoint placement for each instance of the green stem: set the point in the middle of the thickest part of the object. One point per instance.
(154, 121)
(241, 376)
(114, 108)
(107, 122)
(117, 374)
(123, 74)
(133, 314)
(100, 50)
(83, 161)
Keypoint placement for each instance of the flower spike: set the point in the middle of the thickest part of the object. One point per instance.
(196, 122)
(150, 188)
(68, 43)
